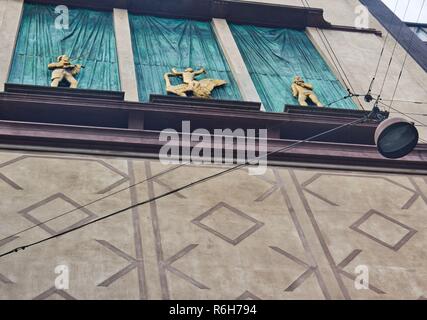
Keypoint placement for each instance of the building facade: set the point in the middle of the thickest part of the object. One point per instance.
(329, 219)
(420, 29)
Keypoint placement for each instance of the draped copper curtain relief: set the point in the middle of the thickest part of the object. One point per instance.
(90, 40)
(273, 56)
(160, 44)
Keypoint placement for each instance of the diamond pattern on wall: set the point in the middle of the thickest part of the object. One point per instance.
(374, 225)
(27, 213)
(247, 295)
(54, 292)
(3, 242)
(103, 163)
(241, 227)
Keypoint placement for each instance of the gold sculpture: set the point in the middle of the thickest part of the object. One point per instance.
(304, 91)
(63, 69)
(201, 89)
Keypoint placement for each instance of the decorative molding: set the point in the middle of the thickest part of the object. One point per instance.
(64, 92)
(231, 210)
(242, 12)
(199, 102)
(350, 113)
(89, 123)
(158, 116)
(10, 20)
(26, 213)
(235, 60)
(393, 246)
(127, 72)
(143, 141)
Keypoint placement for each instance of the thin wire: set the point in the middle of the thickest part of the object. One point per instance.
(92, 202)
(382, 51)
(328, 50)
(343, 98)
(406, 57)
(394, 50)
(126, 188)
(331, 103)
(403, 113)
(181, 165)
(406, 101)
(338, 66)
(102, 198)
(153, 177)
(329, 53)
(406, 115)
(334, 61)
(189, 185)
(338, 61)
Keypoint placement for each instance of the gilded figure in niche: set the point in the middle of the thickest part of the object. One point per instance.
(64, 69)
(304, 91)
(199, 88)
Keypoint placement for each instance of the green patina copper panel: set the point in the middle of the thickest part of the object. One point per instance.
(89, 40)
(274, 56)
(160, 44)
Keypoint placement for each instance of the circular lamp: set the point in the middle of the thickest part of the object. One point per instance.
(396, 137)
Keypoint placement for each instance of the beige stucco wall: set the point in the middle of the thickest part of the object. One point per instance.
(127, 72)
(289, 234)
(235, 60)
(10, 17)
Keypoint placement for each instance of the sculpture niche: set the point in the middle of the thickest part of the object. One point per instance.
(199, 88)
(63, 69)
(303, 91)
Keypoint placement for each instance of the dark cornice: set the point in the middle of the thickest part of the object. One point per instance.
(101, 112)
(64, 92)
(145, 141)
(347, 113)
(241, 12)
(209, 103)
(119, 126)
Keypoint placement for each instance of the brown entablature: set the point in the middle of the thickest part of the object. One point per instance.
(241, 12)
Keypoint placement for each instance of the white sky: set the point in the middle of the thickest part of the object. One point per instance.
(412, 12)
